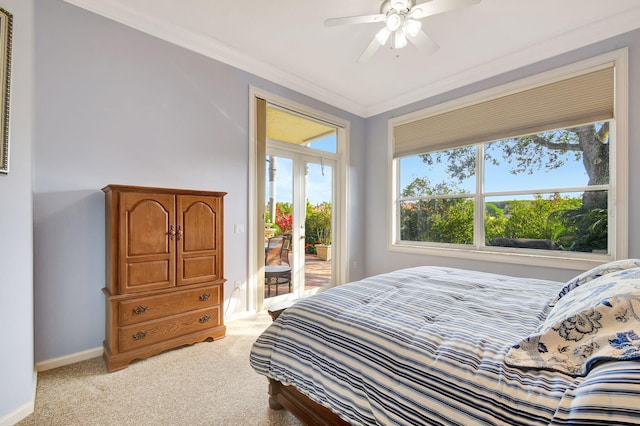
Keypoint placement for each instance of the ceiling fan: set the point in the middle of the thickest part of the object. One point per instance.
(401, 23)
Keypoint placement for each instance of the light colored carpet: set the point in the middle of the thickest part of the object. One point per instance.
(209, 383)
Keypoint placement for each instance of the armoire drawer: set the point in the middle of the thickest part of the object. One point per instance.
(144, 334)
(134, 311)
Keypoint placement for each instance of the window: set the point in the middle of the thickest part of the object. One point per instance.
(536, 172)
(547, 191)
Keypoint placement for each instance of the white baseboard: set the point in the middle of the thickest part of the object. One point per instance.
(68, 359)
(18, 414)
(23, 411)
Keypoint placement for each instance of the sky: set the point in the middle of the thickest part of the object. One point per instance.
(498, 178)
(318, 184)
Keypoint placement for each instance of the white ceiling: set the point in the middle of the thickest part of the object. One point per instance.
(286, 42)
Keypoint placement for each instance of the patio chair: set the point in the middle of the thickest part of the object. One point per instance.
(277, 269)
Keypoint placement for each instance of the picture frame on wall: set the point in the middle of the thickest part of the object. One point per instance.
(6, 32)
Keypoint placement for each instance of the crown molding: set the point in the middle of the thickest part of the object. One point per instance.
(215, 49)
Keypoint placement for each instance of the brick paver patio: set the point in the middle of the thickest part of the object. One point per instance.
(317, 274)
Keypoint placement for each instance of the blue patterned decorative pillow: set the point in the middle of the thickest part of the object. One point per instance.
(598, 271)
(596, 321)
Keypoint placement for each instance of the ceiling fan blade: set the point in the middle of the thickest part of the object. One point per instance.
(423, 42)
(362, 19)
(435, 7)
(371, 50)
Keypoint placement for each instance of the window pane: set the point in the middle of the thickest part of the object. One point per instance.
(327, 143)
(444, 172)
(448, 220)
(558, 159)
(565, 221)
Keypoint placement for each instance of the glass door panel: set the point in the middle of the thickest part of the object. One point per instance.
(279, 221)
(318, 252)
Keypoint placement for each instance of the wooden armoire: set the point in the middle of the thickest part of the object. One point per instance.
(164, 277)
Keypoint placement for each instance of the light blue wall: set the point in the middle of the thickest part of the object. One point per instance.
(117, 106)
(17, 378)
(379, 259)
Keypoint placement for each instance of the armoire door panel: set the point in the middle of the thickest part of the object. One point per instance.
(199, 220)
(198, 223)
(149, 275)
(147, 223)
(147, 241)
(194, 267)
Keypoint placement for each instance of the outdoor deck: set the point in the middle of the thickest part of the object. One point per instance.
(317, 274)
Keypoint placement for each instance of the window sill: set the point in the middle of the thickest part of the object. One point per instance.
(545, 258)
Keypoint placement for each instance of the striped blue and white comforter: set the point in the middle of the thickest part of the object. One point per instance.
(426, 345)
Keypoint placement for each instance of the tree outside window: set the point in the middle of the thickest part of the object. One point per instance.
(543, 191)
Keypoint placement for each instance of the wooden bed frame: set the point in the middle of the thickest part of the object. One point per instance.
(288, 397)
(308, 411)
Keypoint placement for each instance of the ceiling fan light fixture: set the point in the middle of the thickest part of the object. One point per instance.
(394, 22)
(399, 40)
(412, 27)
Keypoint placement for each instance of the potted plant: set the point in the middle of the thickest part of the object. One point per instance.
(323, 248)
(318, 229)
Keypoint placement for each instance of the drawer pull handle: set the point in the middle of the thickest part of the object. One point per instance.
(172, 232)
(140, 335)
(205, 296)
(140, 310)
(205, 318)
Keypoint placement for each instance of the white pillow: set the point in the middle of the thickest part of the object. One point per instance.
(593, 273)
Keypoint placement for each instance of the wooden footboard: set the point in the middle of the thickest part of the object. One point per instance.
(308, 411)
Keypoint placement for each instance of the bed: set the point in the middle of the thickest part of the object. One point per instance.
(443, 346)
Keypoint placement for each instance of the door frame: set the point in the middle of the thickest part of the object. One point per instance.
(255, 229)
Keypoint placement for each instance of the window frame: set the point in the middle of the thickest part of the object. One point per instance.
(618, 196)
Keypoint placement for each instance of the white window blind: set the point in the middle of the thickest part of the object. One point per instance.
(581, 99)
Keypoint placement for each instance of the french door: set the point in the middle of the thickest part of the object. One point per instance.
(298, 177)
(299, 199)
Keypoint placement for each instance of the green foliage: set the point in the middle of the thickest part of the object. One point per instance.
(455, 224)
(284, 208)
(492, 210)
(421, 187)
(450, 220)
(533, 219)
(447, 220)
(318, 223)
(586, 230)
